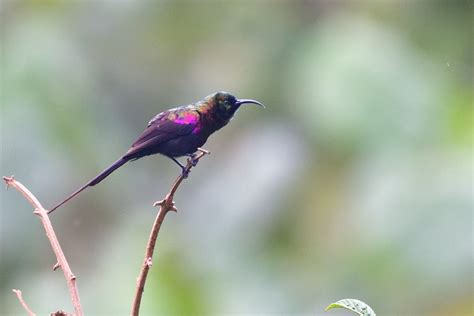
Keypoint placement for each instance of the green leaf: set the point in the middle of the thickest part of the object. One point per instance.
(354, 305)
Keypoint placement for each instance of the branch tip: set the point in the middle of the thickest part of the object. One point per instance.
(204, 151)
(23, 303)
(8, 181)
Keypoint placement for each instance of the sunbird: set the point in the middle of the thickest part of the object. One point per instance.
(177, 132)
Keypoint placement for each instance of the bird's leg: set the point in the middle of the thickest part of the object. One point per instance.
(193, 158)
(185, 173)
(179, 164)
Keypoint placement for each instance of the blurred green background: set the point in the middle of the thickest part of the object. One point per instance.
(356, 181)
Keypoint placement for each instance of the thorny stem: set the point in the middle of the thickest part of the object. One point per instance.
(166, 205)
(48, 227)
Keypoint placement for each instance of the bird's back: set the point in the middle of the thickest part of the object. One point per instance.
(164, 131)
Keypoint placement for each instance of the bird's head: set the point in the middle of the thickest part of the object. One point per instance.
(225, 105)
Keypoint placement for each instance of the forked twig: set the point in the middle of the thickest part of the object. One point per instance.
(48, 227)
(166, 205)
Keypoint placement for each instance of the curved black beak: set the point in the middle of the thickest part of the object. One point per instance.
(243, 101)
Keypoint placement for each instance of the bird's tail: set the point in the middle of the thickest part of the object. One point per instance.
(104, 174)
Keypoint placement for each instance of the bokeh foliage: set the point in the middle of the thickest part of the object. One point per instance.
(356, 181)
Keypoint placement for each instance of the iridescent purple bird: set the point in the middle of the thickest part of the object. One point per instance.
(177, 132)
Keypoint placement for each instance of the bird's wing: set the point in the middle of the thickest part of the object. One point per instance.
(166, 126)
(159, 116)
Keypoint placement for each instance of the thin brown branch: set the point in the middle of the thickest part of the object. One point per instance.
(166, 205)
(23, 303)
(48, 227)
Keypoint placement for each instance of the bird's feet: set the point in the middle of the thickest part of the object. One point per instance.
(185, 172)
(193, 159)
